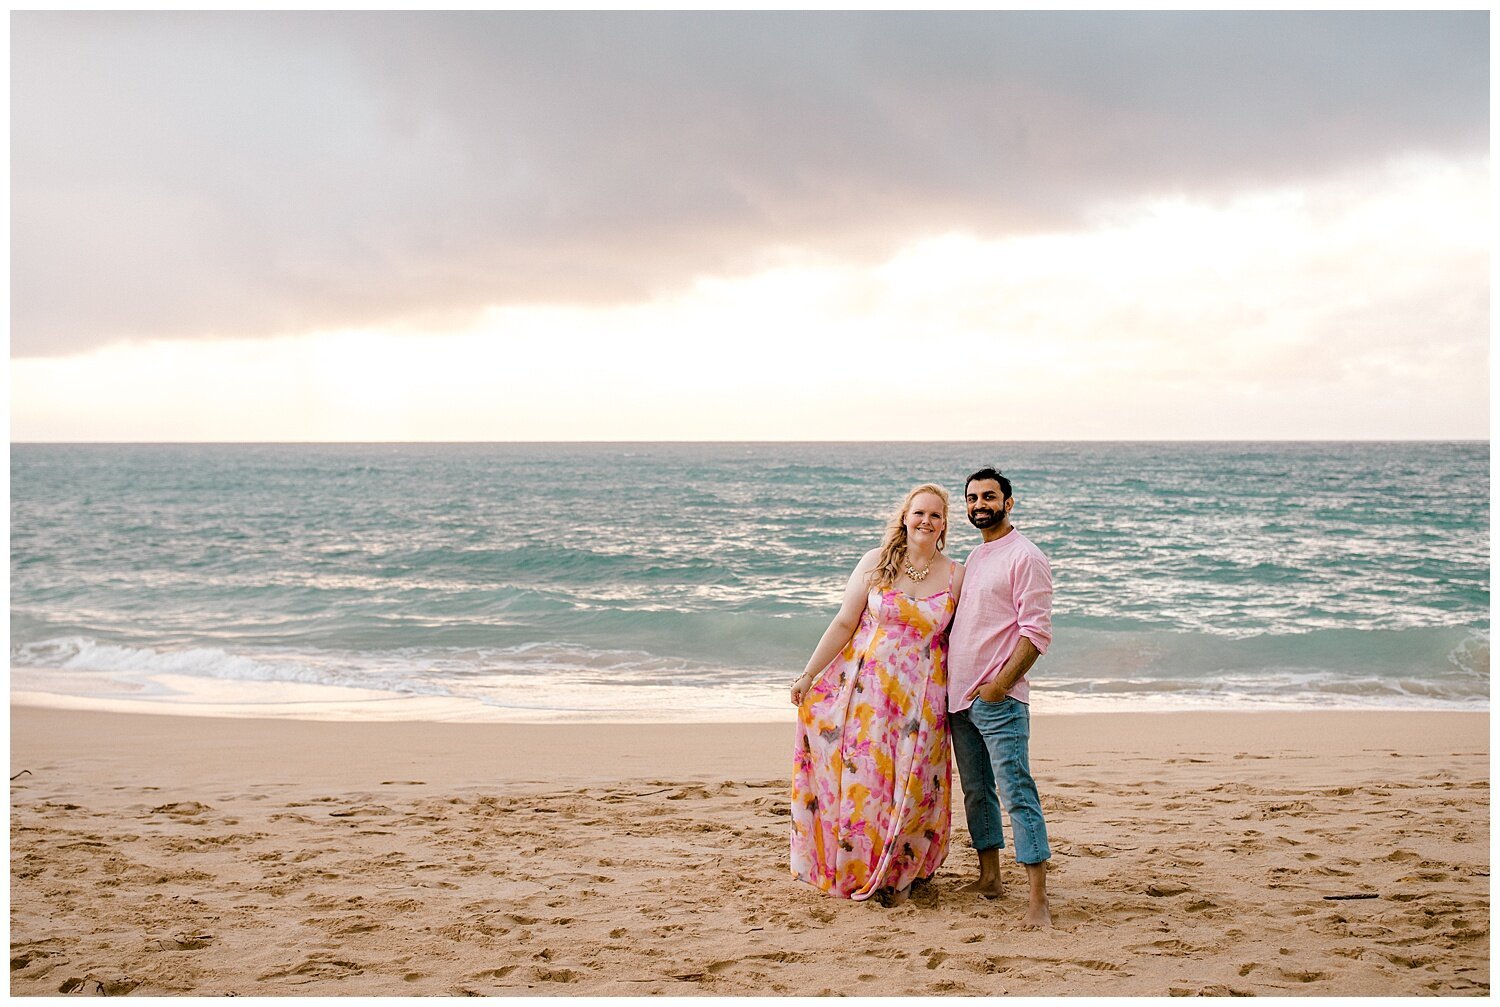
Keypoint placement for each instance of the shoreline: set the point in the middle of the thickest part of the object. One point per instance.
(1192, 855)
(189, 696)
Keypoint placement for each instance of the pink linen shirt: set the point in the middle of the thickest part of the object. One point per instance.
(1007, 595)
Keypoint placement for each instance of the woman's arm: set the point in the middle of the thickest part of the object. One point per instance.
(842, 628)
(956, 589)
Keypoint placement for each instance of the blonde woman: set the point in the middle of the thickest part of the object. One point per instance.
(870, 782)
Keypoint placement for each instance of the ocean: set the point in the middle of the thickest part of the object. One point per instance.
(690, 581)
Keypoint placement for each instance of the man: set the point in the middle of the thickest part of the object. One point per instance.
(1003, 624)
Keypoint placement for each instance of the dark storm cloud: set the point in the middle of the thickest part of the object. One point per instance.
(202, 174)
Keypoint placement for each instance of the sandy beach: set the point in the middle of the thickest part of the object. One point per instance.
(1193, 854)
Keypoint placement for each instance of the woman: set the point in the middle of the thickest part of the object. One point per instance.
(870, 784)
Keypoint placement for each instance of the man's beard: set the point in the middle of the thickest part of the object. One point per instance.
(988, 520)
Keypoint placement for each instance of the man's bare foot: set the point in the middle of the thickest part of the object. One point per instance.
(1038, 916)
(1038, 909)
(990, 888)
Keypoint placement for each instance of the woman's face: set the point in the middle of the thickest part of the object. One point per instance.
(925, 518)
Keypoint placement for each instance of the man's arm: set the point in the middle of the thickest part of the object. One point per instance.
(1021, 659)
(1032, 583)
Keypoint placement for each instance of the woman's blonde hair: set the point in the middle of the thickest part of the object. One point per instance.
(893, 546)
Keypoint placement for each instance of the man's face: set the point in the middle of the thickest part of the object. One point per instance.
(986, 505)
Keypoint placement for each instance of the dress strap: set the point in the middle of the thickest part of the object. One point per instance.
(952, 566)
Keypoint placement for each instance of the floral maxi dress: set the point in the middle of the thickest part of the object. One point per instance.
(871, 777)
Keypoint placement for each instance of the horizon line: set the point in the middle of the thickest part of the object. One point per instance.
(1068, 440)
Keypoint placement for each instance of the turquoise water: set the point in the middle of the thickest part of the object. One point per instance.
(1188, 575)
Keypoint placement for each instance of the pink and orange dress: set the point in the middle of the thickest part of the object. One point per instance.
(871, 777)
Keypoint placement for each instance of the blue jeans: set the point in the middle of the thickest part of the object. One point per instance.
(990, 745)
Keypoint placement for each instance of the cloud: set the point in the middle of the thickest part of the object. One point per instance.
(1353, 309)
(189, 175)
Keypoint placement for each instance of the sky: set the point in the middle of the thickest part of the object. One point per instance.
(752, 226)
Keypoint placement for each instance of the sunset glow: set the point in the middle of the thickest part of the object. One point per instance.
(1177, 319)
(656, 285)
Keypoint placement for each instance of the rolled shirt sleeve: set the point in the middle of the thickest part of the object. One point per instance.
(1033, 584)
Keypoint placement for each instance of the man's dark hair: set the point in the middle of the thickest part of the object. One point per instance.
(992, 474)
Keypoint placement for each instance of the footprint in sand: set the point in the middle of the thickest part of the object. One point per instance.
(314, 969)
(91, 986)
(1088, 850)
(1094, 965)
(556, 975)
(181, 942)
(1164, 889)
(370, 811)
(293, 816)
(90, 841)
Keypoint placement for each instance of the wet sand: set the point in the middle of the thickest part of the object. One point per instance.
(1192, 854)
